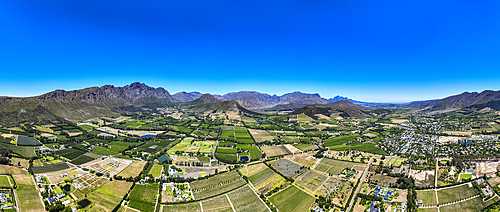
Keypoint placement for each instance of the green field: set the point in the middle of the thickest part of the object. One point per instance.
(340, 140)
(155, 170)
(4, 182)
(456, 193)
(25, 151)
(465, 176)
(27, 195)
(292, 199)
(50, 168)
(335, 167)
(191, 207)
(114, 147)
(216, 185)
(143, 197)
(428, 197)
(254, 151)
(244, 199)
(471, 205)
(86, 127)
(108, 196)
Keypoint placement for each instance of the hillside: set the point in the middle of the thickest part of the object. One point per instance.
(80, 104)
(256, 100)
(463, 100)
(186, 96)
(313, 110)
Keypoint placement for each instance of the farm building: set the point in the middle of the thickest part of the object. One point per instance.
(106, 136)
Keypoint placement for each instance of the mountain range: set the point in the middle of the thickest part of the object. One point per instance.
(110, 100)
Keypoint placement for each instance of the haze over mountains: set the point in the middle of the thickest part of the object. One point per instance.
(110, 100)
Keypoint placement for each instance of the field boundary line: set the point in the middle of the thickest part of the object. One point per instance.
(316, 190)
(230, 203)
(201, 206)
(251, 188)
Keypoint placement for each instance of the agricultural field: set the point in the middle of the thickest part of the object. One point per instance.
(244, 199)
(302, 159)
(262, 135)
(155, 170)
(216, 185)
(428, 197)
(252, 151)
(27, 196)
(87, 157)
(133, 169)
(335, 141)
(143, 197)
(153, 146)
(238, 134)
(4, 182)
(288, 168)
(311, 180)
(27, 141)
(194, 207)
(25, 151)
(216, 204)
(256, 173)
(338, 189)
(472, 205)
(270, 183)
(453, 194)
(335, 167)
(306, 147)
(292, 199)
(272, 151)
(114, 147)
(70, 153)
(50, 168)
(86, 127)
(5, 169)
(86, 184)
(304, 118)
(227, 152)
(108, 196)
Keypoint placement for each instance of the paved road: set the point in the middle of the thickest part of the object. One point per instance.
(359, 186)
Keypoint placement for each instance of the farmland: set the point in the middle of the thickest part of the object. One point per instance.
(70, 153)
(272, 151)
(335, 167)
(244, 199)
(25, 151)
(270, 183)
(427, 196)
(288, 168)
(292, 199)
(216, 185)
(155, 170)
(110, 194)
(257, 173)
(311, 180)
(456, 193)
(262, 135)
(4, 182)
(143, 197)
(133, 169)
(50, 168)
(28, 197)
(85, 158)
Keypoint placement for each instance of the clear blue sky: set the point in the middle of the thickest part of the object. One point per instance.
(385, 51)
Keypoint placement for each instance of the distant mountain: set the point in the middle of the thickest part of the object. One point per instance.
(80, 104)
(344, 104)
(463, 100)
(314, 110)
(368, 104)
(256, 100)
(186, 97)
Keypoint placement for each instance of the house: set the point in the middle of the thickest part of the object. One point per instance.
(373, 208)
(3, 198)
(318, 209)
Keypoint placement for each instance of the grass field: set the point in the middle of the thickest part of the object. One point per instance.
(428, 197)
(304, 118)
(216, 185)
(471, 205)
(292, 199)
(465, 176)
(109, 195)
(254, 151)
(334, 167)
(244, 199)
(86, 127)
(155, 170)
(114, 147)
(89, 156)
(456, 193)
(133, 169)
(191, 207)
(143, 197)
(4, 182)
(27, 195)
(4, 169)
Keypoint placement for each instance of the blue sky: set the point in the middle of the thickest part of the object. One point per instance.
(385, 51)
